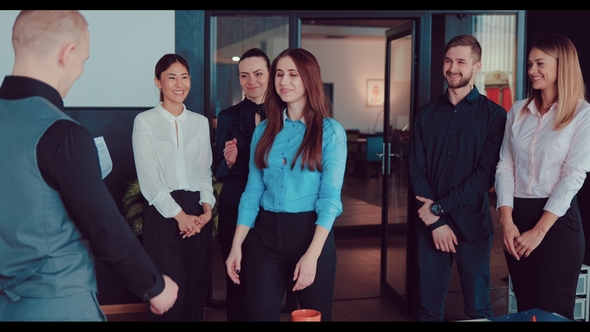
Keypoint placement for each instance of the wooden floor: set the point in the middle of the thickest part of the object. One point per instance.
(357, 295)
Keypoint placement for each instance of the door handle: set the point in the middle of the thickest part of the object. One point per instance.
(390, 155)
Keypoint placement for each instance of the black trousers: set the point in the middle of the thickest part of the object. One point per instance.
(547, 279)
(271, 250)
(434, 274)
(186, 261)
(234, 301)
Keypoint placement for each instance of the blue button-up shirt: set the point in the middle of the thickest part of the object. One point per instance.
(280, 188)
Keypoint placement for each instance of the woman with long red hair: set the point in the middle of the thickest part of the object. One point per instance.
(292, 197)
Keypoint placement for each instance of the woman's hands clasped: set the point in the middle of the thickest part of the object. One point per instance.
(190, 225)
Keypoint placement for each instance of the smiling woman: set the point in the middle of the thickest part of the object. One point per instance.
(236, 125)
(174, 84)
(173, 158)
(543, 163)
(298, 154)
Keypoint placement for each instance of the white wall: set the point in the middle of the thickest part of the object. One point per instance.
(348, 64)
(124, 48)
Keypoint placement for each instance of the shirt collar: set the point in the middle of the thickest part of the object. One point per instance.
(19, 87)
(471, 96)
(285, 118)
(168, 116)
(532, 108)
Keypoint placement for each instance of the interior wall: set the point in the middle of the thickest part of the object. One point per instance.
(349, 64)
(124, 48)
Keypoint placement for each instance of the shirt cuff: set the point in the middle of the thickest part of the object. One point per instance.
(156, 289)
(246, 217)
(504, 200)
(440, 222)
(557, 208)
(325, 221)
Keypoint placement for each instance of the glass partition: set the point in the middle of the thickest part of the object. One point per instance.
(497, 37)
(232, 36)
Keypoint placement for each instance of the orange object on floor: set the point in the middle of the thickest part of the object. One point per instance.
(306, 315)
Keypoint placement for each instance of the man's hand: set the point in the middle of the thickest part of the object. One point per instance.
(444, 239)
(424, 212)
(162, 302)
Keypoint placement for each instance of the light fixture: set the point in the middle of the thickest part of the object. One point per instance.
(235, 58)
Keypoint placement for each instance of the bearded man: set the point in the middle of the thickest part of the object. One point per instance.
(456, 143)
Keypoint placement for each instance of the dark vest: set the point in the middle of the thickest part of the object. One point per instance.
(42, 252)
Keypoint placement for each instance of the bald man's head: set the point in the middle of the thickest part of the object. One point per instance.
(43, 31)
(51, 46)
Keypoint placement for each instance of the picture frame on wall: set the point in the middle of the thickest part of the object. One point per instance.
(375, 93)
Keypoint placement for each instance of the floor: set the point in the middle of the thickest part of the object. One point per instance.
(357, 294)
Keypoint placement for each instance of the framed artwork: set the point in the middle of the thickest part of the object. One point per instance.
(375, 93)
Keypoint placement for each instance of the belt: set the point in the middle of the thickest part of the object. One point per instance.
(28, 272)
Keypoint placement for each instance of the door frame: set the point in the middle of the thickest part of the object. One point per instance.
(400, 31)
(421, 79)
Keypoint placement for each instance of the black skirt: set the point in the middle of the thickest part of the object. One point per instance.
(547, 279)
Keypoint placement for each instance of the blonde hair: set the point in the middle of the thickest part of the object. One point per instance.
(570, 83)
(41, 31)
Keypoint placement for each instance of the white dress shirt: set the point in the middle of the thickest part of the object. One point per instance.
(166, 161)
(537, 161)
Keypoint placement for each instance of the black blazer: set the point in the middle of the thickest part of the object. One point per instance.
(237, 122)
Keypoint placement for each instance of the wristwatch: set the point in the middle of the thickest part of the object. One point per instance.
(436, 209)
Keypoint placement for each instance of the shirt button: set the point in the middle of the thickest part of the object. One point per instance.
(451, 131)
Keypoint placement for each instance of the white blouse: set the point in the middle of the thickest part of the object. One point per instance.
(537, 161)
(166, 161)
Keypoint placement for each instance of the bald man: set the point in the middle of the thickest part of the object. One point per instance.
(56, 212)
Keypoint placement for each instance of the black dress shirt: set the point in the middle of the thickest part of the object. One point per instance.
(236, 122)
(68, 161)
(453, 158)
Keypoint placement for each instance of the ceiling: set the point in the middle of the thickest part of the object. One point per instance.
(347, 28)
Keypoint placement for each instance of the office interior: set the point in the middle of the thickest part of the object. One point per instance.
(379, 67)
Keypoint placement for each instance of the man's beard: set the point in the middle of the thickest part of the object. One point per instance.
(464, 81)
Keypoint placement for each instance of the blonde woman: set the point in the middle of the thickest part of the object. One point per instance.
(543, 163)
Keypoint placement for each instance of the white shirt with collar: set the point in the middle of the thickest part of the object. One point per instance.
(537, 161)
(167, 161)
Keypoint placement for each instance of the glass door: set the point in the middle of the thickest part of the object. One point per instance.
(399, 92)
